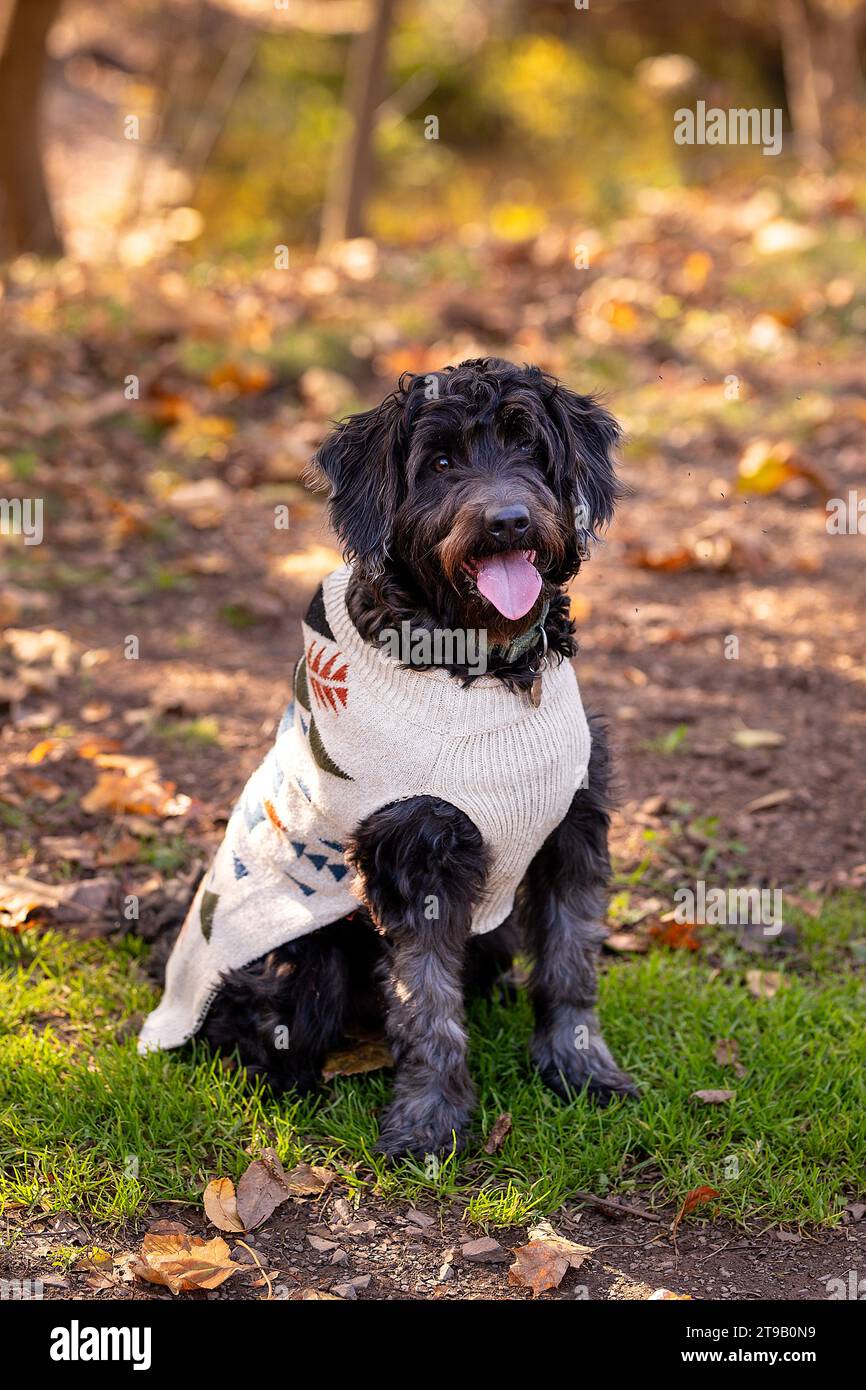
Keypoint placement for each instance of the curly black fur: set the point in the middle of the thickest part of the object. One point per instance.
(406, 959)
(509, 434)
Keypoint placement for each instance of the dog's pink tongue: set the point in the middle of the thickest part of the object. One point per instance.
(510, 582)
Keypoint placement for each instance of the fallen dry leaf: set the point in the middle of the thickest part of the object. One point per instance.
(220, 1204)
(727, 1055)
(498, 1134)
(626, 941)
(21, 898)
(696, 1198)
(137, 791)
(764, 984)
(184, 1262)
(35, 784)
(713, 1097)
(538, 1267)
(41, 647)
(51, 749)
(678, 936)
(766, 466)
(261, 1190)
(371, 1055)
(720, 553)
(542, 1264)
(306, 1181)
(126, 850)
(95, 712)
(204, 503)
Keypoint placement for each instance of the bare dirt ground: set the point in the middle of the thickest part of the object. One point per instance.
(393, 1253)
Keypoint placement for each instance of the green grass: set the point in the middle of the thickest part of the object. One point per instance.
(85, 1124)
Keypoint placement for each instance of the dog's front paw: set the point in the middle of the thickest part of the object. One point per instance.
(569, 1066)
(410, 1129)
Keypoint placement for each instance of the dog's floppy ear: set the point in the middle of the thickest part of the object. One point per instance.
(362, 460)
(587, 436)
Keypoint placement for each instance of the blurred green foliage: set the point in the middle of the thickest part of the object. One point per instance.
(534, 118)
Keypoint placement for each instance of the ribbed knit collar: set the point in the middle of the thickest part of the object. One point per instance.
(430, 698)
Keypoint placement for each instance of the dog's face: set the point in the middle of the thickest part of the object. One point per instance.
(480, 484)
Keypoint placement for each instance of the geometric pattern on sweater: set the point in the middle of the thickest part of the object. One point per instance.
(364, 732)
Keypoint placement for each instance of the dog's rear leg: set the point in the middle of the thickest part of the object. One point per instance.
(422, 866)
(562, 901)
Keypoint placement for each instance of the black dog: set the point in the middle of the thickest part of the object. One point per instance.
(481, 460)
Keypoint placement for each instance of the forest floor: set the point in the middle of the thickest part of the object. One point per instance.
(146, 660)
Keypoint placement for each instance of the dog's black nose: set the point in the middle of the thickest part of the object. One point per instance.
(507, 523)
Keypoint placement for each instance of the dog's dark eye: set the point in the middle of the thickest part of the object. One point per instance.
(441, 464)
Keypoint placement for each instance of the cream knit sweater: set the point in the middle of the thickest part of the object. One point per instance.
(364, 732)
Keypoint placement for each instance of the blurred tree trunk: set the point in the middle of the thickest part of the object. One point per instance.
(343, 214)
(823, 75)
(801, 78)
(839, 50)
(26, 220)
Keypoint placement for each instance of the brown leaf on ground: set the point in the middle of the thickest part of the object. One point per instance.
(95, 745)
(713, 1097)
(371, 1055)
(696, 1198)
(542, 1264)
(132, 786)
(95, 712)
(261, 1190)
(678, 936)
(717, 552)
(626, 941)
(204, 503)
(183, 1262)
(221, 1206)
(498, 1134)
(35, 784)
(769, 800)
(22, 898)
(47, 749)
(306, 1181)
(47, 647)
(126, 850)
(70, 847)
(727, 1055)
(766, 466)
(538, 1266)
(764, 984)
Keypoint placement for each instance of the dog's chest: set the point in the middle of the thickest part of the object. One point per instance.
(366, 733)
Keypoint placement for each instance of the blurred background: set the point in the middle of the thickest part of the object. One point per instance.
(224, 224)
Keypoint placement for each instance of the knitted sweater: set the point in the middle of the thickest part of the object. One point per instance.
(364, 732)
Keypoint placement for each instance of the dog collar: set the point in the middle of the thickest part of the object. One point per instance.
(526, 641)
